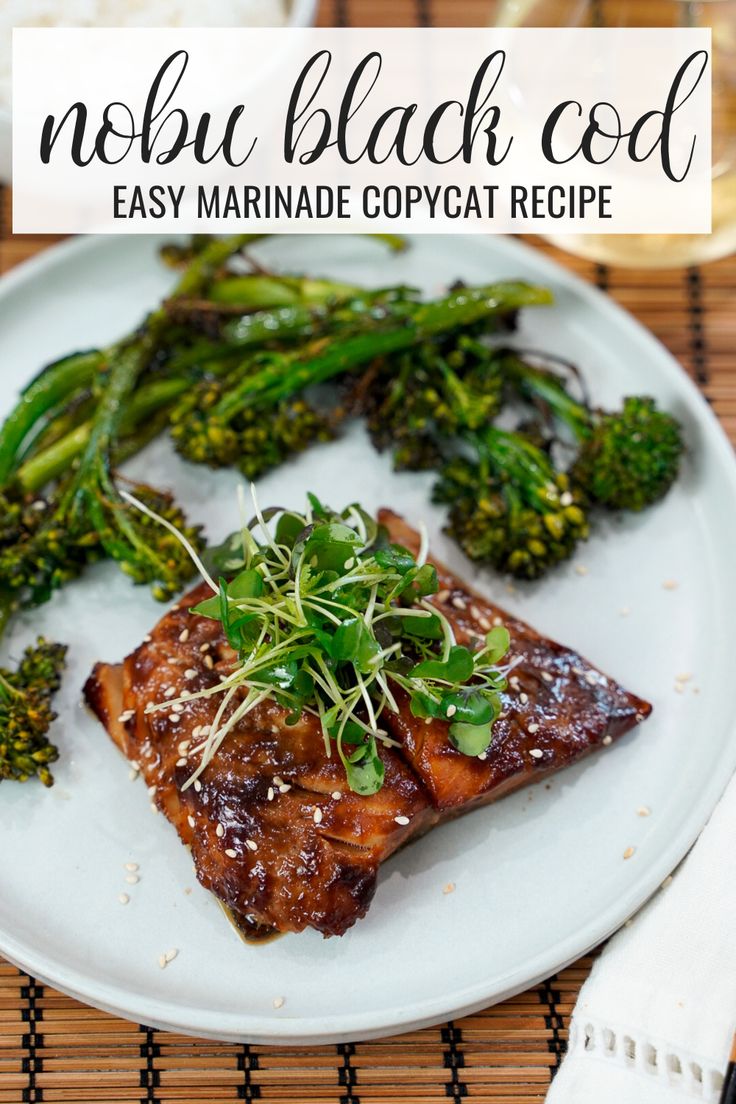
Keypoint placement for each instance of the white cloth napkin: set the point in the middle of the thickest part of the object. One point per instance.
(654, 1021)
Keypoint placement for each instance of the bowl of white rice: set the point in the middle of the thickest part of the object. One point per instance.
(131, 13)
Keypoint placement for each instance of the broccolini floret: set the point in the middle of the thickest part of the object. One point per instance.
(26, 713)
(428, 395)
(509, 507)
(627, 459)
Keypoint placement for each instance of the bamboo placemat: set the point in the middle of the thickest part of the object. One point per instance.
(53, 1048)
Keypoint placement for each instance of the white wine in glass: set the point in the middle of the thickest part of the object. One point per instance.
(657, 250)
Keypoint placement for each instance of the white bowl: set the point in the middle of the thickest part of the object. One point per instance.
(302, 13)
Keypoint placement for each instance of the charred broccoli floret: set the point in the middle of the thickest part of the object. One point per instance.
(627, 459)
(263, 396)
(427, 395)
(26, 713)
(509, 507)
(254, 438)
(86, 517)
(630, 459)
(144, 550)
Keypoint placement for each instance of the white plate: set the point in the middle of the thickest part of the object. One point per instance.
(540, 877)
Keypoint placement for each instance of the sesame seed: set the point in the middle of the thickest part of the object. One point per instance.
(639, 717)
(190, 673)
(154, 808)
(131, 866)
(174, 718)
(350, 562)
(514, 682)
(269, 795)
(336, 795)
(317, 816)
(547, 676)
(459, 603)
(607, 740)
(132, 775)
(162, 961)
(220, 831)
(251, 845)
(498, 621)
(181, 762)
(126, 716)
(451, 711)
(643, 810)
(177, 707)
(536, 753)
(151, 790)
(629, 852)
(183, 636)
(197, 785)
(170, 692)
(132, 879)
(147, 638)
(449, 888)
(483, 756)
(670, 584)
(204, 647)
(485, 624)
(475, 613)
(231, 853)
(278, 780)
(123, 898)
(442, 596)
(209, 662)
(591, 678)
(278, 1002)
(581, 569)
(533, 727)
(191, 821)
(401, 820)
(523, 698)
(171, 954)
(284, 787)
(205, 730)
(667, 881)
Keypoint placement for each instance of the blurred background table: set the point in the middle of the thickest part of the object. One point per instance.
(53, 1048)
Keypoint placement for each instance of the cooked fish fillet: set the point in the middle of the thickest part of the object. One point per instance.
(275, 834)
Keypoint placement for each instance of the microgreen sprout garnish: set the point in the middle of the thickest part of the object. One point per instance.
(328, 617)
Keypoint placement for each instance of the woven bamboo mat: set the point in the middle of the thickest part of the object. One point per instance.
(53, 1048)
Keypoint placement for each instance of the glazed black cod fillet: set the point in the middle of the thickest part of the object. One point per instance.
(275, 832)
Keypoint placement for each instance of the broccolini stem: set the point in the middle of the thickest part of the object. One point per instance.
(285, 374)
(303, 319)
(259, 291)
(535, 383)
(50, 388)
(518, 462)
(52, 462)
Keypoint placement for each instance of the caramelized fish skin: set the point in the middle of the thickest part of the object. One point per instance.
(271, 860)
(558, 705)
(267, 835)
